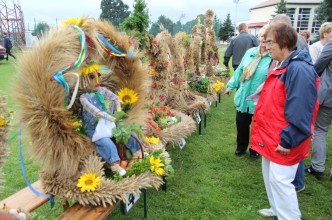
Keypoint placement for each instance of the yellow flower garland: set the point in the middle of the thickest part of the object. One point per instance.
(88, 182)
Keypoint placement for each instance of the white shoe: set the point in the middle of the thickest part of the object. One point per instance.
(116, 168)
(300, 190)
(267, 212)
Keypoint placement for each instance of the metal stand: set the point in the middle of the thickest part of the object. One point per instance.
(123, 205)
(164, 186)
(200, 125)
(204, 119)
(219, 97)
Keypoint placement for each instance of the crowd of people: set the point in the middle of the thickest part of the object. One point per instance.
(270, 80)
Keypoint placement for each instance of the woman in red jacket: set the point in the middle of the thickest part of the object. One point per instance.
(284, 119)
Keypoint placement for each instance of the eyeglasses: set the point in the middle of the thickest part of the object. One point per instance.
(269, 42)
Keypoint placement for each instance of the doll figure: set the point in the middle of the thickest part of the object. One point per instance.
(93, 105)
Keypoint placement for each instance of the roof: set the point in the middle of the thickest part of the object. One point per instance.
(289, 2)
(257, 24)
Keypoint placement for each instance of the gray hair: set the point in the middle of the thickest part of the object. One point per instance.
(281, 18)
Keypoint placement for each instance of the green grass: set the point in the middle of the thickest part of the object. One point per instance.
(210, 182)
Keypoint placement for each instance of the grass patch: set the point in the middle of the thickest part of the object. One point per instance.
(210, 182)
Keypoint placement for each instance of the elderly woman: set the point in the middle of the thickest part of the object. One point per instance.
(250, 74)
(283, 121)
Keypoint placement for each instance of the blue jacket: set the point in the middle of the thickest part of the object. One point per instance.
(286, 110)
(7, 43)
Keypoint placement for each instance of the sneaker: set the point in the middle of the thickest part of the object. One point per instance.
(267, 212)
(311, 170)
(116, 168)
(300, 190)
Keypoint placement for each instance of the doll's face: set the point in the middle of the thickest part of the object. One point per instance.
(93, 81)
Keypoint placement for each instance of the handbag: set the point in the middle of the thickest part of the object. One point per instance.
(103, 129)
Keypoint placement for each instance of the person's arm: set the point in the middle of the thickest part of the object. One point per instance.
(324, 58)
(228, 53)
(89, 107)
(109, 95)
(234, 82)
(300, 82)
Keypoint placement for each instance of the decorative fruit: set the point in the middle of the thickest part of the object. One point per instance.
(123, 164)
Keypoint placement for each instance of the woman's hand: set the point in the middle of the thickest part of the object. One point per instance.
(282, 150)
(227, 92)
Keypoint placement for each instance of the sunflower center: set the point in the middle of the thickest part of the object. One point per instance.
(88, 182)
(127, 98)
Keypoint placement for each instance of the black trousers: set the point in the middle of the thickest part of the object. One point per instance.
(243, 121)
(9, 53)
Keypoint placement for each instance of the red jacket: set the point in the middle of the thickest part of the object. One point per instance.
(286, 110)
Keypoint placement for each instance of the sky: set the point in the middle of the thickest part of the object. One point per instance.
(54, 11)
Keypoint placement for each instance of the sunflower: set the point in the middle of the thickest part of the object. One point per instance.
(156, 166)
(152, 140)
(81, 22)
(88, 182)
(127, 96)
(216, 87)
(222, 85)
(2, 121)
(90, 69)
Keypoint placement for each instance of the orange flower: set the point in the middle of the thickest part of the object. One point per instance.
(153, 72)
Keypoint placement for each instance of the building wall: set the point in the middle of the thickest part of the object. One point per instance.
(302, 16)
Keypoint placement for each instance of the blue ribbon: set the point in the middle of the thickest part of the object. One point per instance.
(109, 45)
(50, 197)
(58, 77)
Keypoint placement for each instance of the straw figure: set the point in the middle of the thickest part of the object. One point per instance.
(43, 90)
(197, 39)
(160, 73)
(179, 96)
(4, 130)
(185, 43)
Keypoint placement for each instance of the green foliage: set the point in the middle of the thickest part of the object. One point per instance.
(281, 7)
(199, 84)
(41, 29)
(114, 11)
(123, 131)
(217, 24)
(119, 116)
(324, 11)
(155, 29)
(138, 21)
(226, 30)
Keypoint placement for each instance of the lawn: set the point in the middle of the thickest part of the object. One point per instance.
(210, 182)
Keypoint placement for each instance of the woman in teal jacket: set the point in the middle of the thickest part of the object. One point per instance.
(250, 74)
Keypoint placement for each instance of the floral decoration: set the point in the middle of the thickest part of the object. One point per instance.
(81, 22)
(199, 84)
(152, 140)
(161, 117)
(127, 98)
(218, 86)
(88, 182)
(157, 165)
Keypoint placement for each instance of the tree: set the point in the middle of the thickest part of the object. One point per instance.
(114, 11)
(226, 29)
(155, 29)
(216, 26)
(166, 22)
(281, 7)
(138, 21)
(187, 27)
(324, 11)
(41, 28)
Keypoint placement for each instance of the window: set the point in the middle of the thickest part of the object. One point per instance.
(315, 26)
(291, 14)
(303, 19)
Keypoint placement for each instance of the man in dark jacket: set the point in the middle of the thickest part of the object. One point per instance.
(239, 45)
(8, 45)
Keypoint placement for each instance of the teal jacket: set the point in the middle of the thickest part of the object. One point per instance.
(248, 87)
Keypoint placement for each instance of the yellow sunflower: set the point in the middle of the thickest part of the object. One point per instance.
(152, 140)
(127, 96)
(81, 22)
(2, 121)
(156, 166)
(216, 87)
(88, 182)
(90, 69)
(222, 85)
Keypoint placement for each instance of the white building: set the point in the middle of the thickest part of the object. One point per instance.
(301, 12)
